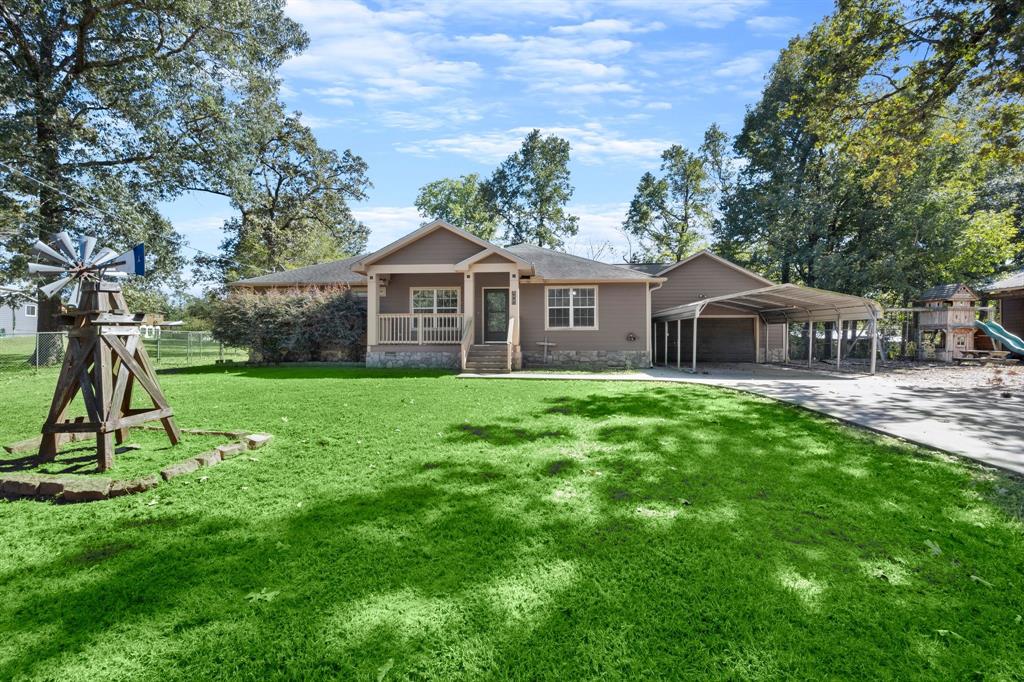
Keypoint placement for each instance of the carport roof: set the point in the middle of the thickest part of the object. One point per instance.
(781, 303)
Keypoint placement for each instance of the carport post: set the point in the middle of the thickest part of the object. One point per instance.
(874, 341)
(810, 343)
(694, 365)
(839, 342)
(679, 344)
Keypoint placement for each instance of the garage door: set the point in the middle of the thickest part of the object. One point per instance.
(725, 340)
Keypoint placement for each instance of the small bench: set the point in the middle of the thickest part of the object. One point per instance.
(985, 357)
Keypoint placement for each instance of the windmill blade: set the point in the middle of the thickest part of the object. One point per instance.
(102, 256)
(85, 247)
(43, 249)
(36, 268)
(76, 293)
(53, 287)
(66, 245)
(114, 274)
(132, 261)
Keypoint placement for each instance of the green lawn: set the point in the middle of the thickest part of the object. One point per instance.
(422, 526)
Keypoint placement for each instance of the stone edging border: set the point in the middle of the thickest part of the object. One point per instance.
(93, 488)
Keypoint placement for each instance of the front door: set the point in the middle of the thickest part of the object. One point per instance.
(495, 315)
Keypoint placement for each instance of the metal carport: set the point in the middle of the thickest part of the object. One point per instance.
(782, 303)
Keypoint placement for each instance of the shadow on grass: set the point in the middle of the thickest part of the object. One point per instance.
(287, 371)
(501, 434)
(470, 568)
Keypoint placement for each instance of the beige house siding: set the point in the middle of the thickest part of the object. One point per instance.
(398, 286)
(495, 258)
(621, 309)
(703, 277)
(439, 247)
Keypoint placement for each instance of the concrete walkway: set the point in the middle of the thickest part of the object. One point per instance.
(973, 423)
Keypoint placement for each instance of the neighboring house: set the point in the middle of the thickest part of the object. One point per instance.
(442, 297)
(1010, 292)
(21, 318)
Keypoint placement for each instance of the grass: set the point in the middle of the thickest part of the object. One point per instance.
(415, 525)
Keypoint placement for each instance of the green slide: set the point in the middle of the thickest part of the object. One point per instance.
(1010, 341)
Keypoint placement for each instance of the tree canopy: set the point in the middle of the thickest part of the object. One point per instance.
(460, 201)
(116, 104)
(530, 191)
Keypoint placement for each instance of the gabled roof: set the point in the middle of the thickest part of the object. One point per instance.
(1014, 281)
(646, 268)
(334, 273)
(943, 292)
(705, 252)
(430, 227)
(782, 303)
(556, 266)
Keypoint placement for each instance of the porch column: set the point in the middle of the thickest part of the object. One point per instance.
(469, 304)
(372, 291)
(514, 307)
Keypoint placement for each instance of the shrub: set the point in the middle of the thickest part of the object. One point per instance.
(293, 325)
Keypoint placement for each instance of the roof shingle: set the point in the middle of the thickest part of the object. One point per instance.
(556, 265)
(322, 274)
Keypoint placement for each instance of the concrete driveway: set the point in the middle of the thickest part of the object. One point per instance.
(974, 422)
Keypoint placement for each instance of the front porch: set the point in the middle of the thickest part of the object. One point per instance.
(460, 315)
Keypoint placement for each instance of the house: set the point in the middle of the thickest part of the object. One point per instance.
(442, 297)
(18, 315)
(1010, 292)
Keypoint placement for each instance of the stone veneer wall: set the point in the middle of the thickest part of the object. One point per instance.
(586, 359)
(417, 359)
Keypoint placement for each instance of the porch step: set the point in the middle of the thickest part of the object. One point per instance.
(486, 368)
(487, 358)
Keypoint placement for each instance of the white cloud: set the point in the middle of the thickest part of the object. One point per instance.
(373, 55)
(200, 225)
(700, 13)
(764, 25)
(607, 26)
(388, 223)
(754, 63)
(591, 144)
(599, 227)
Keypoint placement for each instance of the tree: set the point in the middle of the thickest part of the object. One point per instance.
(460, 201)
(803, 210)
(884, 71)
(668, 214)
(115, 103)
(530, 190)
(292, 196)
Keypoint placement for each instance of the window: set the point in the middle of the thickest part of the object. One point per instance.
(435, 300)
(571, 308)
(30, 310)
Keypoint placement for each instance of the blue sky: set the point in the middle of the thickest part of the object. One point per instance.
(426, 89)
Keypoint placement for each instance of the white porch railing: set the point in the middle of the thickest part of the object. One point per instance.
(419, 328)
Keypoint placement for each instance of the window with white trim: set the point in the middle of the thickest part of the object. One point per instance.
(571, 307)
(30, 310)
(437, 300)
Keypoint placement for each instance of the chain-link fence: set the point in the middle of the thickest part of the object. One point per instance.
(42, 351)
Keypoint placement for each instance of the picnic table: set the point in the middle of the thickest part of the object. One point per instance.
(985, 356)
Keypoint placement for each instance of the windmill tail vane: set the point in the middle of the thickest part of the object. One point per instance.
(75, 263)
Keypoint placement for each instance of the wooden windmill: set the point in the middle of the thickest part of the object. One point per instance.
(105, 357)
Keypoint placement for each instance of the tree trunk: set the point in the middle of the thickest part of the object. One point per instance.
(51, 219)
